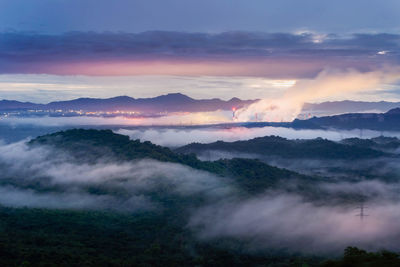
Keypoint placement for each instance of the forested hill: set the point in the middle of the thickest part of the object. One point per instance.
(383, 143)
(90, 146)
(119, 231)
(277, 146)
(389, 121)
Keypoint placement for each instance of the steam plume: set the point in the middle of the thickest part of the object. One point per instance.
(327, 83)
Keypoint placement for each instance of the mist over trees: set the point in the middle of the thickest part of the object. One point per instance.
(97, 197)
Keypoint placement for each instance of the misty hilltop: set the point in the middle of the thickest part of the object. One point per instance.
(89, 146)
(308, 148)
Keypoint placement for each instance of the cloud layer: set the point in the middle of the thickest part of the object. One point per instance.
(277, 55)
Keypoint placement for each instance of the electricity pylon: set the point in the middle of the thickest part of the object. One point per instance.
(362, 211)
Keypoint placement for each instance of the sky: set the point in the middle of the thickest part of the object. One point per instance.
(341, 16)
(63, 49)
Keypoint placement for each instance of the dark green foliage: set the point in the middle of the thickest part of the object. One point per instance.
(277, 146)
(95, 144)
(67, 238)
(36, 237)
(383, 143)
(255, 176)
(92, 145)
(354, 257)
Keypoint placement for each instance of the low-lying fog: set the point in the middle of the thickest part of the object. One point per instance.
(278, 219)
(175, 137)
(383, 168)
(14, 129)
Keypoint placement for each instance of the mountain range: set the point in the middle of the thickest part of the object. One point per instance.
(165, 103)
(388, 121)
(176, 102)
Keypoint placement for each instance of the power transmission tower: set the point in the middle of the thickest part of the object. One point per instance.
(362, 211)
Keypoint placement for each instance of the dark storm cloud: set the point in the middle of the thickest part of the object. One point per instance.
(88, 44)
(40, 53)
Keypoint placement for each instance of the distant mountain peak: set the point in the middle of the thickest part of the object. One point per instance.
(175, 96)
(394, 111)
(122, 97)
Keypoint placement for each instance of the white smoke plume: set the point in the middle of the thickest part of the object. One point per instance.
(327, 84)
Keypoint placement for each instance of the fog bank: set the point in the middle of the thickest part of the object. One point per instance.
(175, 137)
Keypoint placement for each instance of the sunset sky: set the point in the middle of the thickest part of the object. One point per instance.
(59, 49)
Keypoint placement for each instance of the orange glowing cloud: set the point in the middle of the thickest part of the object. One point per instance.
(276, 68)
